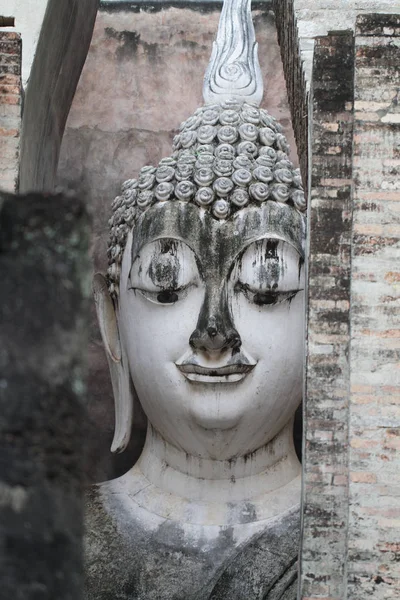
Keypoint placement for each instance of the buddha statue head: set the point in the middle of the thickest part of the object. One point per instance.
(202, 308)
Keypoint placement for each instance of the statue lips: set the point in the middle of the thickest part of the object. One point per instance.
(230, 373)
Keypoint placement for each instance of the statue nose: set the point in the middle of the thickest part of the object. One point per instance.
(212, 331)
(215, 337)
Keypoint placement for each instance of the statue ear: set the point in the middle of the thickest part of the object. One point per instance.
(117, 363)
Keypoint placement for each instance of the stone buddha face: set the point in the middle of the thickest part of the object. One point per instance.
(211, 316)
(208, 296)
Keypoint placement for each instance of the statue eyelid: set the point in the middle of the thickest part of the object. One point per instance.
(153, 295)
(152, 288)
(269, 297)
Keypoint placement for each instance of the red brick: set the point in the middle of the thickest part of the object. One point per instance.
(9, 132)
(363, 477)
(10, 99)
(10, 79)
(10, 89)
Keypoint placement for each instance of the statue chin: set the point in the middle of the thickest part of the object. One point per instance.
(214, 424)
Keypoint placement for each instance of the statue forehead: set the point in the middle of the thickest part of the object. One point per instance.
(209, 238)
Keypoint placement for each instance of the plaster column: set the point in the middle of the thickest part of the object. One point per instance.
(60, 55)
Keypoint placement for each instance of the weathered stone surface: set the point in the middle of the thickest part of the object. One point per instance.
(374, 525)
(325, 492)
(43, 333)
(176, 561)
(352, 420)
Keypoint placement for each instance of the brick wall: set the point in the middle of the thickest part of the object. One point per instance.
(351, 522)
(374, 518)
(286, 24)
(10, 108)
(327, 370)
(319, 17)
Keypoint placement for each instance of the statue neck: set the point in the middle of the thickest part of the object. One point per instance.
(233, 481)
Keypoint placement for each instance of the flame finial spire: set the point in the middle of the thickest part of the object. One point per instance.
(234, 70)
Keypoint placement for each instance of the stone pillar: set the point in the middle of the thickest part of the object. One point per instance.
(325, 495)
(60, 55)
(10, 108)
(351, 522)
(316, 18)
(374, 518)
(43, 336)
(286, 24)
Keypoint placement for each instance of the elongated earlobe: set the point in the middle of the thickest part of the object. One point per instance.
(117, 363)
(106, 317)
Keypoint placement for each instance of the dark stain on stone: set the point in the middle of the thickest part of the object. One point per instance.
(131, 589)
(334, 316)
(249, 513)
(332, 90)
(190, 45)
(395, 432)
(156, 6)
(130, 42)
(377, 24)
(164, 267)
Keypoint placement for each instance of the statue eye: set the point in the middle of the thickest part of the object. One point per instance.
(265, 298)
(167, 297)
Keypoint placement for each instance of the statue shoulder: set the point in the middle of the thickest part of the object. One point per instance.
(265, 566)
(126, 557)
(106, 549)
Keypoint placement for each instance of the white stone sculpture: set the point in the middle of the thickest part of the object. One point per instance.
(202, 318)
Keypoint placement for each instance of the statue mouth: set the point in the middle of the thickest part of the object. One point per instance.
(226, 374)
